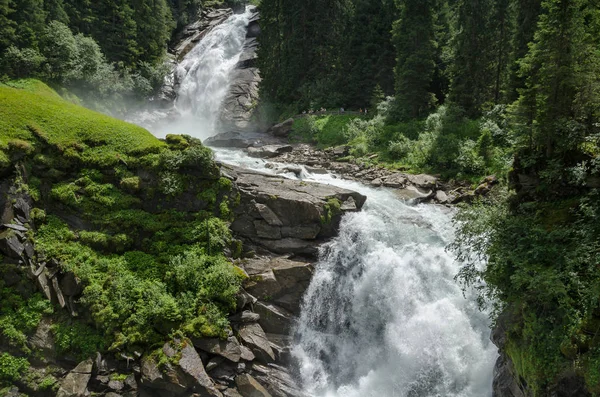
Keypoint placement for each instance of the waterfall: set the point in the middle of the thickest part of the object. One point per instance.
(204, 76)
(383, 315)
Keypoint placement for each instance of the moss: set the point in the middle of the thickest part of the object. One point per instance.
(130, 184)
(177, 142)
(332, 208)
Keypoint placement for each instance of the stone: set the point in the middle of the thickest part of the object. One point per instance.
(10, 244)
(18, 228)
(213, 363)
(395, 181)
(70, 284)
(441, 197)
(377, 182)
(423, 181)
(282, 129)
(269, 151)
(191, 364)
(341, 151)
(229, 349)
(268, 215)
(76, 381)
(265, 286)
(22, 208)
(43, 338)
(264, 230)
(228, 140)
(231, 393)
(244, 299)
(253, 336)
(249, 387)
(247, 354)
(273, 319)
(245, 317)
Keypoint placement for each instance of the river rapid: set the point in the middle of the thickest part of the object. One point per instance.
(383, 315)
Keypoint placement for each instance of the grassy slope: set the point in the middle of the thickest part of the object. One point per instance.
(29, 108)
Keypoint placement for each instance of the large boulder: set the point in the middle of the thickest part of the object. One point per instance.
(269, 151)
(253, 336)
(230, 348)
(282, 129)
(274, 319)
(249, 387)
(76, 381)
(184, 372)
(289, 216)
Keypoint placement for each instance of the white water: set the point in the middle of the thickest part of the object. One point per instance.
(204, 74)
(383, 315)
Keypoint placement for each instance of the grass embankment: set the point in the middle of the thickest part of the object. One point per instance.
(31, 112)
(142, 223)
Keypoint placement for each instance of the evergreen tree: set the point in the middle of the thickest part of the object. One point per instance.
(561, 102)
(473, 68)
(115, 30)
(370, 55)
(7, 25)
(29, 18)
(527, 14)
(81, 16)
(414, 40)
(154, 26)
(55, 11)
(501, 26)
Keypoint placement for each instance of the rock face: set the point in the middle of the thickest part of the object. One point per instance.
(282, 129)
(192, 34)
(288, 216)
(238, 106)
(249, 387)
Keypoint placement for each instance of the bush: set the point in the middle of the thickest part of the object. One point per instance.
(11, 368)
(19, 63)
(77, 339)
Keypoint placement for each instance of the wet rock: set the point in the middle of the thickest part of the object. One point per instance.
(253, 336)
(231, 393)
(282, 129)
(441, 197)
(76, 381)
(269, 151)
(395, 181)
(229, 140)
(249, 387)
(230, 348)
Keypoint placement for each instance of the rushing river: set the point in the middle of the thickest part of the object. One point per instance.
(383, 315)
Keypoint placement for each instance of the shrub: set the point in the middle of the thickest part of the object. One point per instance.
(11, 368)
(19, 63)
(78, 339)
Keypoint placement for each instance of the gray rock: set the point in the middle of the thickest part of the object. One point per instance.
(249, 387)
(230, 348)
(245, 317)
(423, 181)
(229, 140)
(268, 215)
(191, 364)
(282, 129)
(10, 244)
(441, 197)
(274, 319)
(76, 381)
(395, 181)
(253, 336)
(70, 284)
(269, 151)
(43, 339)
(247, 354)
(341, 151)
(244, 299)
(231, 393)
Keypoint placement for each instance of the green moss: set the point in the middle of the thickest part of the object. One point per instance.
(332, 208)
(131, 184)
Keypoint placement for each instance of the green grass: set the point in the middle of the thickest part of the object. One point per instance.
(30, 111)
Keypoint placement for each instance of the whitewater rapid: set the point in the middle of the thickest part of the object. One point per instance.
(383, 315)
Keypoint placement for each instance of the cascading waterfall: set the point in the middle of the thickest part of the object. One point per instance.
(204, 76)
(383, 316)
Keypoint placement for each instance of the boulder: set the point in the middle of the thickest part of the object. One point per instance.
(245, 317)
(231, 393)
(230, 348)
(441, 197)
(43, 339)
(395, 181)
(185, 376)
(230, 139)
(282, 129)
(249, 387)
(423, 181)
(269, 151)
(288, 216)
(76, 381)
(274, 319)
(253, 336)
(10, 244)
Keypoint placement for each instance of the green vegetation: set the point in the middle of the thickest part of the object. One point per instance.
(11, 368)
(151, 228)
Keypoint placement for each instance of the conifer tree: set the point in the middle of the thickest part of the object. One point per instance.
(7, 25)
(55, 11)
(414, 39)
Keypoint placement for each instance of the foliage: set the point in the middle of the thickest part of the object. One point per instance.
(11, 368)
(77, 339)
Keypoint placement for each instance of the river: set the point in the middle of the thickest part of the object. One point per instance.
(383, 315)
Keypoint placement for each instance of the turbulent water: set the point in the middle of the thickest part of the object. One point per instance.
(204, 76)
(383, 315)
